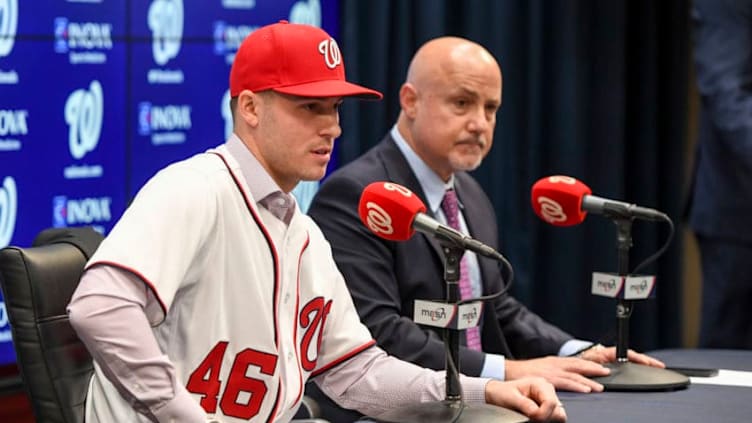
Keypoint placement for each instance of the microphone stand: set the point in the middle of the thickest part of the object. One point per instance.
(452, 408)
(626, 376)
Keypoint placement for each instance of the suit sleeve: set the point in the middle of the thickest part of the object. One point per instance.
(368, 264)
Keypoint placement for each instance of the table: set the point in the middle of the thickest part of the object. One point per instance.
(697, 403)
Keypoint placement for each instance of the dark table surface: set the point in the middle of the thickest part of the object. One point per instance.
(697, 403)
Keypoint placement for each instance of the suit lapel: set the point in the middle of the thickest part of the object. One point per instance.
(476, 218)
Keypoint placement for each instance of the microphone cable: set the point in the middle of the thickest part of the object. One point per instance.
(510, 277)
(502, 291)
(661, 250)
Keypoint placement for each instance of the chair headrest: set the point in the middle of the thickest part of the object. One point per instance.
(84, 238)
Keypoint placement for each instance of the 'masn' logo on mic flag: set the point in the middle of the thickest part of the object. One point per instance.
(633, 287)
(447, 315)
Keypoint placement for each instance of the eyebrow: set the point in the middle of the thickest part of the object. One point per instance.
(465, 91)
(472, 93)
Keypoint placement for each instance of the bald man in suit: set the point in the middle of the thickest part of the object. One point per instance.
(445, 128)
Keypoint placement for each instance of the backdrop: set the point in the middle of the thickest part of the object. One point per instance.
(596, 90)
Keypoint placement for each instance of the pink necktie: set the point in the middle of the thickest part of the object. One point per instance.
(452, 212)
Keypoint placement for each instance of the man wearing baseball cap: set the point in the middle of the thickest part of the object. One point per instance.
(215, 299)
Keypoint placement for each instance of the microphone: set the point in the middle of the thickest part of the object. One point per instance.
(393, 212)
(564, 201)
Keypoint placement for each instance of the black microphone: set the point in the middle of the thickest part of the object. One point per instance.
(393, 212)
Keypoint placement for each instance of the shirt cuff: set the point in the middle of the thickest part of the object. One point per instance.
(493, 367)
(474, 389)
(182, 408)
(572, 346)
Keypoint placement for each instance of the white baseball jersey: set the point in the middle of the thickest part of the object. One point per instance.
(245, 322)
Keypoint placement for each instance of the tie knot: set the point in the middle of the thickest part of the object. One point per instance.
(450, 207)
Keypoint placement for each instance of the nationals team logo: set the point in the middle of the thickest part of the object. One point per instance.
(224, 108)
(8, 206)
(83, 114)
(312, 320)
(551, 211)
(166, 24)
(378, 220)
(330, 50)
(8, 25)
(306, 12)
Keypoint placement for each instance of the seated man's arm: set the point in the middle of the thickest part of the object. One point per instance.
(107, 312)
(374, 383)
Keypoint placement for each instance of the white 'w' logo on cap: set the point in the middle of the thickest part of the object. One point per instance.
(330, 50)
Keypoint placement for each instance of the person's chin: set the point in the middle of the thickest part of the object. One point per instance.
(316, 175)
(467, 165)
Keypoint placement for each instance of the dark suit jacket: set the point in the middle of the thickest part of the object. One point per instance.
(386, 277)
(722, 195)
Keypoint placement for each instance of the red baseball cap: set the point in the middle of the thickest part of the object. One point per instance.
(295, 59)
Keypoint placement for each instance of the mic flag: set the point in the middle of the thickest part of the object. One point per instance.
(558, 200)
(388, 210)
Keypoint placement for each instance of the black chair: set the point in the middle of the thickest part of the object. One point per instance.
(37, 284)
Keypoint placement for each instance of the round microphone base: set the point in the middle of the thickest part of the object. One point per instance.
(452, 411)
(637, 377)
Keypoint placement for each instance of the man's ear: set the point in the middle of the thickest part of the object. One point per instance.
(408, 96)
(248, 107)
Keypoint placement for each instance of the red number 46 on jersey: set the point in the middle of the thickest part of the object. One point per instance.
(205, 381)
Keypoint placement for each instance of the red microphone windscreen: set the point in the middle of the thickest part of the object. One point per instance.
(558, 200)
(388, 210)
